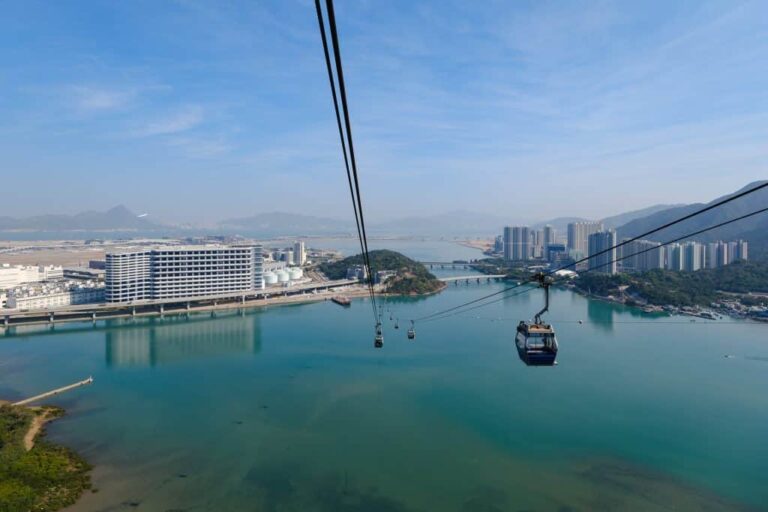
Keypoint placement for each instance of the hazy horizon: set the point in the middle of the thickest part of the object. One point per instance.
(195, 111)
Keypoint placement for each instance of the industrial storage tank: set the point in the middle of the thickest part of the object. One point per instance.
(270, 278)
(295, 273)
(282, 276)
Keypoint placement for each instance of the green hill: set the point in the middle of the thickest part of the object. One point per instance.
(666, 287)
(411, 278)
(754, 229)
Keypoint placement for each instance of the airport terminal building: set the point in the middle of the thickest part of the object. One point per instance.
(183, 271)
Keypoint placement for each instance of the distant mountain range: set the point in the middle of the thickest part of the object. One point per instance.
(118, 218)
(616, 221)
(560, 224)
(282, 223)
(754, 229)
(456, 223)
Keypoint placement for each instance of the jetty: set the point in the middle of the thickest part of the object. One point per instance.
(54, 392)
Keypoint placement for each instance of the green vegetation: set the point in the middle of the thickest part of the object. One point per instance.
(665, 287)
(410, 278)
(513, 270)
(45, 478)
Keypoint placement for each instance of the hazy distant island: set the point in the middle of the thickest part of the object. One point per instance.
(34, 473)
(395, 273)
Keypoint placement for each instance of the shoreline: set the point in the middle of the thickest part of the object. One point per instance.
(668, 309)
(248, 304)
(30, 458)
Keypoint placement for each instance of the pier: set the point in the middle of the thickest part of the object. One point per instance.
(54, 392)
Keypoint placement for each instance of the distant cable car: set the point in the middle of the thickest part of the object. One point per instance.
(536, 341)
(411, 332)
(397, 323)
(378, 341)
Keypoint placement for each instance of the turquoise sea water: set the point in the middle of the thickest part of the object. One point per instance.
(292, 409)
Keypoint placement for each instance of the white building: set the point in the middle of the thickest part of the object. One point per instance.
(738, 250)
(597, 243)
(517, 243)
(693, 255)
(548, 238)
(51, 272)
(642, 255)
(299, 253)
(14, 275)
(357, 272)
(51, 298)
(674, 257)
(578, 237)
(710, 261)
(181, 272)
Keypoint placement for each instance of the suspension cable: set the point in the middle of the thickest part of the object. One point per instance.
(354, 190)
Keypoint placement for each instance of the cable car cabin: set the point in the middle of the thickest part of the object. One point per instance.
(378, 341)
(536, 343)
(411, 331)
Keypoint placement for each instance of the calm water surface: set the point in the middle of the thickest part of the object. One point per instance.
(291, 409)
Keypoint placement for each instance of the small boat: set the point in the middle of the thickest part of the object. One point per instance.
(341, 300)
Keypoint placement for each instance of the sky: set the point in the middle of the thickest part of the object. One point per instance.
(197, 111)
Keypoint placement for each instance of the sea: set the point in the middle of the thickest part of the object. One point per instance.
(291, 408)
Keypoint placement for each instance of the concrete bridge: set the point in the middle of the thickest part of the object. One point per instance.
(473, 278)
(445, 264)
(100, 311)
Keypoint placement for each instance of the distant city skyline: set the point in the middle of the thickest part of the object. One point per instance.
(197, 111)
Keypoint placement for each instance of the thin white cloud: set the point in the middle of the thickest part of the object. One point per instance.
(98, 99)
(178, 121)
(196, 147)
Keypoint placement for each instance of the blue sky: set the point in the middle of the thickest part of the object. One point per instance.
(197, 111)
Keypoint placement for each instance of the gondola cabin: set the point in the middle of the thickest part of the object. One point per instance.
(411, 331)
(536, 343)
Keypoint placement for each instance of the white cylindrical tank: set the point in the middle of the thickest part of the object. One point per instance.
(270, 278)
(295, 273)
(282, 276)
